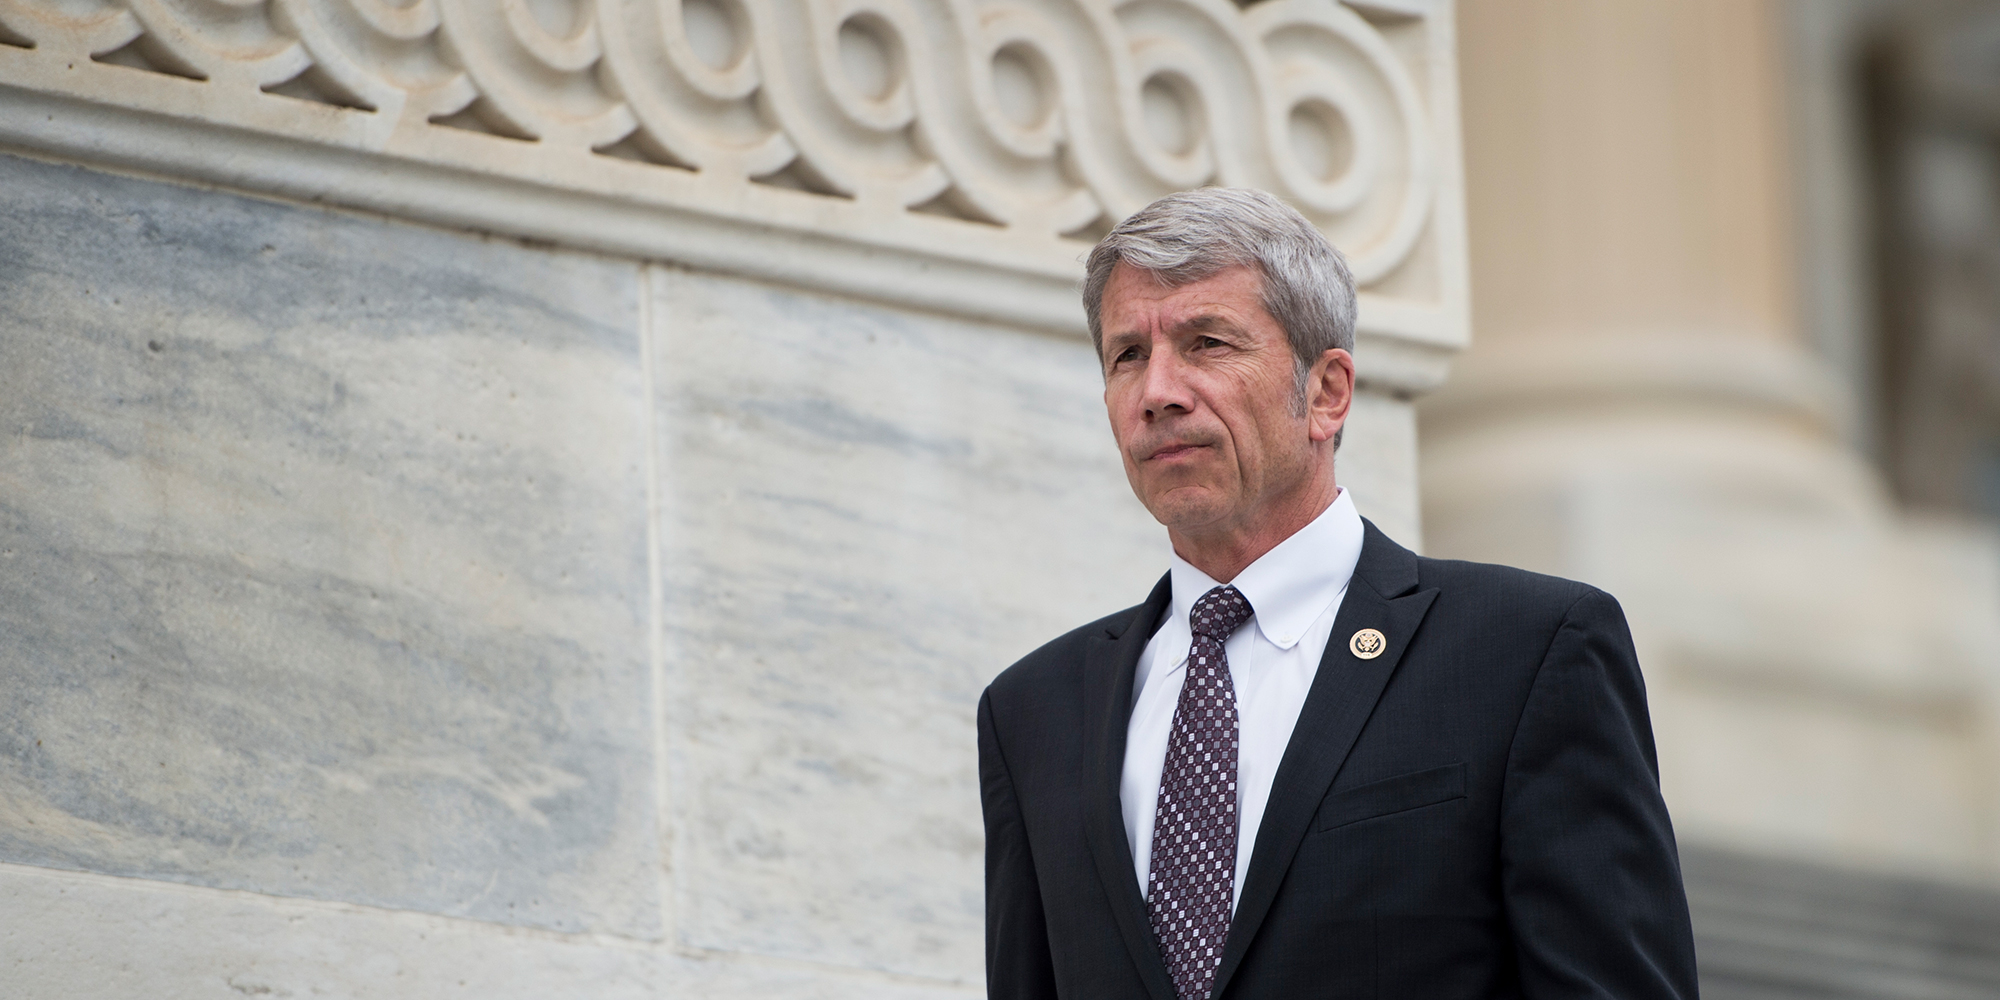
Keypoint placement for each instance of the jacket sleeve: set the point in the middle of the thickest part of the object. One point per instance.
(1018, 963)
(1589, 870)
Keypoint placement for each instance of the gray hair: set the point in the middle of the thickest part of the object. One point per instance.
(1190, 235)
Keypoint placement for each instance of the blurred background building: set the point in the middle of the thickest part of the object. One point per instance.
(1736, 324)
(517, 499)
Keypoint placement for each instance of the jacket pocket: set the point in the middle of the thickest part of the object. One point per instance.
(1401, 793)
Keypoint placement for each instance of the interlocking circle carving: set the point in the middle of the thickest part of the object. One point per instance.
(1040, 118)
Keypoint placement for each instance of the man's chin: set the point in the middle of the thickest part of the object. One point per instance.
(1188, 509)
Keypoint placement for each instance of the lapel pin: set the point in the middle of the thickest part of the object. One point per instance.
(1367, 644)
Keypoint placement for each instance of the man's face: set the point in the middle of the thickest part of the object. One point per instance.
(1199, 385)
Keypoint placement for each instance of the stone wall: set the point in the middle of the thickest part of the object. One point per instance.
(325, 568)
(329, 574)
(480, 518)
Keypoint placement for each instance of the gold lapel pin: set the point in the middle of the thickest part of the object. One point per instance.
(1367, 644)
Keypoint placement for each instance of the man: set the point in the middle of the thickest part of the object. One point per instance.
(1312, 763)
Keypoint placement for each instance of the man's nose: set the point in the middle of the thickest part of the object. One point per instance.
(1166, 387)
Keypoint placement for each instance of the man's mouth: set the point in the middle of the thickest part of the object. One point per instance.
(1170, 452)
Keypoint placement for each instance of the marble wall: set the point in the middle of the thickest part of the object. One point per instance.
(512, 615)
(322, 557)
(866, 514)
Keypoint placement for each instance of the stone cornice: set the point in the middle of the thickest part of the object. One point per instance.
(956, 156)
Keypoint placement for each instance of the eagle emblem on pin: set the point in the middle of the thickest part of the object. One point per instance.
(1367, 644)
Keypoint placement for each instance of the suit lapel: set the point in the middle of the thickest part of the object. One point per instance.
(1382, 595)
(1112, 661)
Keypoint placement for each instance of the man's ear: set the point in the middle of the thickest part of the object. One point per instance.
(1329, 393)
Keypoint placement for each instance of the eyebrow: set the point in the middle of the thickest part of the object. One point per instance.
(1193, 324)
(1203, 322)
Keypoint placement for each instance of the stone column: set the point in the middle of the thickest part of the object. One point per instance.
(1642, 412)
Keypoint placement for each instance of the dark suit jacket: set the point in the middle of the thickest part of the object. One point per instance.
(1473, 813)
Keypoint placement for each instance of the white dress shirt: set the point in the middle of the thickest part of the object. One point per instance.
(1295, 591)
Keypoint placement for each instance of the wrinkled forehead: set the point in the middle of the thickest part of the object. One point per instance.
(1140, 298)
(1184, 273)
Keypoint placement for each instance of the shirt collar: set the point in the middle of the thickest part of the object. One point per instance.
(1290, 586)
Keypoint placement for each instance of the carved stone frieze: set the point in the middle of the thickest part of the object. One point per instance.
(967, 142)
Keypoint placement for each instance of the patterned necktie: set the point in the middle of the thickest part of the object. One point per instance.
(1193, 869)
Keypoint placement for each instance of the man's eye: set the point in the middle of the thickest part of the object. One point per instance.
(1207, 342)
(1128, 354)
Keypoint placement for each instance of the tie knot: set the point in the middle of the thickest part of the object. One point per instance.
(1219, 612)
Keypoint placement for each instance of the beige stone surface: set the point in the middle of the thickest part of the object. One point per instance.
(1627, 169)
(1641, 412)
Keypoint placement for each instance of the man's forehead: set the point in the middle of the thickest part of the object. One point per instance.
(1130, 280)
(1228, 297)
